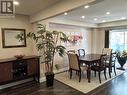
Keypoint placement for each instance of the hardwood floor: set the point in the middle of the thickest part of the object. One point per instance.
(117, 86)
(33, 88)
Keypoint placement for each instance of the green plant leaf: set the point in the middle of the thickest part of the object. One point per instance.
(47, 43)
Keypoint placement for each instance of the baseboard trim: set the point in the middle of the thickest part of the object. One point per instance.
(15, 83)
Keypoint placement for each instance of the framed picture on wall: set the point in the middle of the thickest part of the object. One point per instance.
(10, 37)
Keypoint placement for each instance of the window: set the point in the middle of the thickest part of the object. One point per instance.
(118, 39)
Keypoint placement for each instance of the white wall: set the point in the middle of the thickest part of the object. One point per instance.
(98, 38)
(85, 32)
(20, 21)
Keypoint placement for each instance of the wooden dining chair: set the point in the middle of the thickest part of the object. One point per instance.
(108, 53)
(100, 66)
(74, 64)
(111, 64)
(71, 51)
(81, 52)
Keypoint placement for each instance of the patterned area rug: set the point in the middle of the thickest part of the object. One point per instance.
(84, 86)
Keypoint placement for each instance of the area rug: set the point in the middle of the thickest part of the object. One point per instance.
(84, 86)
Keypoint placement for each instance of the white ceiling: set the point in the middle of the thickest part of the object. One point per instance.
(118, 9)
(29, 7)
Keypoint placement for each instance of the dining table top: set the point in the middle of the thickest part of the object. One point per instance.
(90, 57)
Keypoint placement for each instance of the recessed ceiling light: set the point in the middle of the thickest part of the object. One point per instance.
(16, 3)
(103, 20)
(87, 6)
(82, 17)
(95, 19)
(65, 13)
(122, 17)
(108, 13)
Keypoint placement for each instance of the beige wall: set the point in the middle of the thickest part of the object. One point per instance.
(20, 21)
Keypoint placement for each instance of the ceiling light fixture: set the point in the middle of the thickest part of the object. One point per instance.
(83, 17)
(16, 3)
(87, 6)
(65, 13)
(103, 20)
(108, 13)
(95, 19)
(122, 18)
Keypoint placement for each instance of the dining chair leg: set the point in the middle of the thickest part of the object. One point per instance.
(105, 74)
(77, 73)
(79, 76)
(109, 71)
(95, 73)
(114, 70)
(87, 74)
(99, 74)
(70, 74)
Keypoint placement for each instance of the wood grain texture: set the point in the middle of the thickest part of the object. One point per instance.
(32, 66)
(6, 72)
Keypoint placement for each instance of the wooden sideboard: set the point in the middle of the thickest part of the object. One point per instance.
(12, 69)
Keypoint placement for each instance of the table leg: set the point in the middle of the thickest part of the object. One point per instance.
(89, 73)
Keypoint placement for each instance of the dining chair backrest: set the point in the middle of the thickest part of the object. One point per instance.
(73, 61)
(71, 51)
(102, 60)
(81, 52)
(108, 53)
(114, 55)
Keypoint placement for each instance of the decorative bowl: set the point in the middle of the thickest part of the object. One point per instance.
(19, 56)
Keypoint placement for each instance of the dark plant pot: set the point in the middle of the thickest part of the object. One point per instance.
(49, 79)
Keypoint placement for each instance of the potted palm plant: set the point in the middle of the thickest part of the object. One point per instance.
(47, 45)
(122, 57)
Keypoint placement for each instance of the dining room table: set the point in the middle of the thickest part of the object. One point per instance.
(89, 60)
